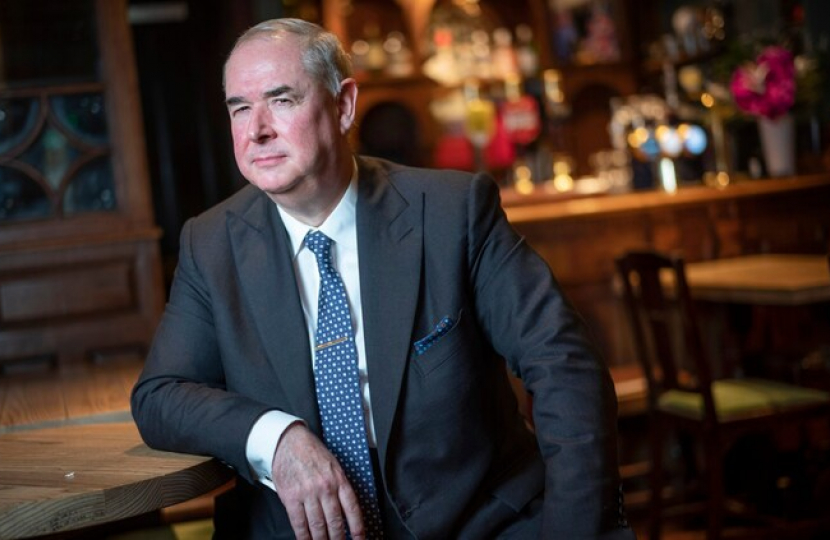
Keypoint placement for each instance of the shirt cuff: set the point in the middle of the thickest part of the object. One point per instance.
(262, 443)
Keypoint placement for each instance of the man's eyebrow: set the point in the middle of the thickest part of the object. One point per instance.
(234, 100)
(274, 92)
(278, 91)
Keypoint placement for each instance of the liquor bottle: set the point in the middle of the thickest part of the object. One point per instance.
(442, 66)
(527, 57)
(480, 121)
(399, 55)
(505, 63)
(520, 113)
(482, 54)
(375, 59)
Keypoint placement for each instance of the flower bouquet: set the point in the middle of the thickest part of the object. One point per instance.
(766, 89)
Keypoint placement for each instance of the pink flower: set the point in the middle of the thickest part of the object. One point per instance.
(766, 87)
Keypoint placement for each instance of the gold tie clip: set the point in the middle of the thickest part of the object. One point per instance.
(328, 344)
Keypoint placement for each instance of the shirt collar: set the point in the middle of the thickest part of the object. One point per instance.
(339, 225)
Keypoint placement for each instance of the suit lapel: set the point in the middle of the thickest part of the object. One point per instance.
(390, 244)
(262, 253)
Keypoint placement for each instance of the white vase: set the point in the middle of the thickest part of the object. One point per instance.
(778, 144)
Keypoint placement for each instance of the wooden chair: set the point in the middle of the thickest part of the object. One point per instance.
(682, 397)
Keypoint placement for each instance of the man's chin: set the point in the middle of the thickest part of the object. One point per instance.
(271, 183)
(276, 188)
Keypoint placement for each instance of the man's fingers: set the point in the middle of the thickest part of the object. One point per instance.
(351, 508)
(317, 525)
(314, 489)
(314, 519)
(299, 523)
(334, 517)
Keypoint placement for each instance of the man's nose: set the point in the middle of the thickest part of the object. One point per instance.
(259, 125)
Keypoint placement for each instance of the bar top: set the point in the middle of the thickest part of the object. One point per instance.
(540, 206)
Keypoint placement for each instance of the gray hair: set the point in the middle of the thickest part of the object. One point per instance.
(322, 54)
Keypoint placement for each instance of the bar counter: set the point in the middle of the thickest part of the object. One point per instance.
(541, 205)
(580, 236)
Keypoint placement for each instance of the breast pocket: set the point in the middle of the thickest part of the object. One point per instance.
(442, 343)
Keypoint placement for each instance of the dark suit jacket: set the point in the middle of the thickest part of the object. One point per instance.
(232, 344)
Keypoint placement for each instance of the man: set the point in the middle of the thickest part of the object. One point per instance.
(439, 291)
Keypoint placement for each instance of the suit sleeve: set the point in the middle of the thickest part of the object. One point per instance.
(529, 322)
(180, 402)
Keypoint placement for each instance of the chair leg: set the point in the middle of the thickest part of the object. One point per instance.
(688, 450)
(656, 479)
(716, 489)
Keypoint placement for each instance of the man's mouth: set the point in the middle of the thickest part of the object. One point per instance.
(265, 161)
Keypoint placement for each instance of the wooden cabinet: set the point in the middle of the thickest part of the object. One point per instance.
(79, 264)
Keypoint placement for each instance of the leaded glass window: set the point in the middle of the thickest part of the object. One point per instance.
(55, 155)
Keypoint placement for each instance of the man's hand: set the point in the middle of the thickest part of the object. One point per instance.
(314, 489)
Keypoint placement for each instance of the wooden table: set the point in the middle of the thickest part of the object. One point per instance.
(60, 479)
(768, 303)
(780, 280)
(92, 394)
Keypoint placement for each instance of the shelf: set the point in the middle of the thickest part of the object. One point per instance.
(379, 80)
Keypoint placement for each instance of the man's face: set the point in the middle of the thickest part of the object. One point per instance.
(286, 127)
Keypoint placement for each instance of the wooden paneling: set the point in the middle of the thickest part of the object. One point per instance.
(38, 293)
(68, 303)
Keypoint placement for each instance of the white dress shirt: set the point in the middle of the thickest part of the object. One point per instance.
(341, 227)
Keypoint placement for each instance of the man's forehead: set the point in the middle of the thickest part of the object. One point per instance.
(265, 63)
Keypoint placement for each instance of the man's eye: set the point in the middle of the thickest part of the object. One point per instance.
(281, 102)
(239, 110)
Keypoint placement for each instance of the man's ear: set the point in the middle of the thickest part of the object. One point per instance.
(347, 104)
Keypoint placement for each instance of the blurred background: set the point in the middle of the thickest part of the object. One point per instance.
(694, 127)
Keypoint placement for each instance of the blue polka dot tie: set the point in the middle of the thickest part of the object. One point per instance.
(338, 384)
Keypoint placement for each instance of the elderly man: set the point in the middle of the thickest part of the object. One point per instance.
(337, 333)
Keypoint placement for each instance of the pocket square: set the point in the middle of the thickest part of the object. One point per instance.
(422, 345)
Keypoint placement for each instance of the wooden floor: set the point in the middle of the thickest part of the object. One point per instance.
(640, 531)
(677, 533)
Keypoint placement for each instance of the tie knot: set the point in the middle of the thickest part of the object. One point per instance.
(319, 244)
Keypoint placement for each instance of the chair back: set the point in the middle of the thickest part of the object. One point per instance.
(664, 325)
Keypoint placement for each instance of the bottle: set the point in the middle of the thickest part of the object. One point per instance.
(399, 55)
(442, 66)
(375, 59)
(520, 113)
(527, 56)
(480, 121)
(505, 63)
(482, 54)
